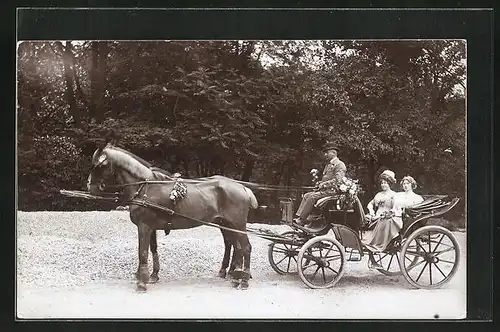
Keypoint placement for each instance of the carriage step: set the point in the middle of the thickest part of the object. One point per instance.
(353, 256)
(354, 259)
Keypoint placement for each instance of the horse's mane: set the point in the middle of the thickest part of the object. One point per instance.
(159, 173)
(139, 159)
(137, 166)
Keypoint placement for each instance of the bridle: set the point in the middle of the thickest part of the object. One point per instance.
(121, 195)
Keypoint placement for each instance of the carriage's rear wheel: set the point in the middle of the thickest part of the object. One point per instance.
(435, 261)
(321, 262)
(283, 256)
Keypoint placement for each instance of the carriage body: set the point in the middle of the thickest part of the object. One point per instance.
(417, 249)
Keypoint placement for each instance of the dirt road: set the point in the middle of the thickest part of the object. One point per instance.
(81, 264)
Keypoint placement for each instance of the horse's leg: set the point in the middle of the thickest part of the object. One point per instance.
(153, 246)
(144, 232)
(246, 251)
(227, 253)
(236, 264)
(233, 263)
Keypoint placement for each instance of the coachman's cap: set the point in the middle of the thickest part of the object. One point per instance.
(330, 146)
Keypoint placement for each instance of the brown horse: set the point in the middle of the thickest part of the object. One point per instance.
(216, 199)
(162, 175)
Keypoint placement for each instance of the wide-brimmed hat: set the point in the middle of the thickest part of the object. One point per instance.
(330, 146)
(389, 176)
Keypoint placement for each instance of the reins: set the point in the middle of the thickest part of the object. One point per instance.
(248, 184)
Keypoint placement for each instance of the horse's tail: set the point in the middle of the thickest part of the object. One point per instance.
(253, 200)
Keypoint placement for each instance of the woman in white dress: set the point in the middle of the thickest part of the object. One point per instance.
(405, 199)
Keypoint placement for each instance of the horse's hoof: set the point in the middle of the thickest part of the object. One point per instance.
(222, 274)
(153, 279)
(244, 284)
(235, 283)
(245, 275)
(141, 287)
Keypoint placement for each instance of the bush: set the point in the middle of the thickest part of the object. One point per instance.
(47, 164)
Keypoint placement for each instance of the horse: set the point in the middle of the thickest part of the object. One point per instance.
(162, 174)
(215, 199)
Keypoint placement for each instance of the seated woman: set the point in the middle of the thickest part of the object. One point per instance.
(381, 211)
(405, 199)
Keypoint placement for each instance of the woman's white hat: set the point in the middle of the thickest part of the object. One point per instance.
(388, 175)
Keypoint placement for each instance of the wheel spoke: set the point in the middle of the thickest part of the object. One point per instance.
(281, 260)
(422, 271)
(430, 273)
(419, 263)
(329, 249)
(444, 260)
(446, 250)
(415, 253)
(315, 272)
(280, 250)
(429, 238)
(312, 265)
(324, 276)
(288, 266)
(439, 242)
(437, 267)
(336, 272)
(390, 262)
(420, 245)
(380, 258)
(333, 258)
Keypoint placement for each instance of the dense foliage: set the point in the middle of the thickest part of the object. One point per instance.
(252, 110)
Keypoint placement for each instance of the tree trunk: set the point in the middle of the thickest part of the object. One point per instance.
(97, 79)
(277, 177)
(69, 80)
(247, 171)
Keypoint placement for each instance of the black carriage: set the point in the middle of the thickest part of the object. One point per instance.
(426, 255)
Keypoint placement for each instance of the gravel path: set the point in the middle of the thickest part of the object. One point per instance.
(81, 265)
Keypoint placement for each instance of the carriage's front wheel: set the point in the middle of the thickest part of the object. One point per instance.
(283, 256)
(321, 262)
(429, 257)
(390, 261)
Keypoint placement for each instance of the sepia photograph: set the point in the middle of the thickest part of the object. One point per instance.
(241, 179)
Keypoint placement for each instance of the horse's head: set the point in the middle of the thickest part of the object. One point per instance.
(113, 165)
(102, 171)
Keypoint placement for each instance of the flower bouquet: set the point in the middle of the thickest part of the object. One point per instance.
(315, 178)
(348, 189)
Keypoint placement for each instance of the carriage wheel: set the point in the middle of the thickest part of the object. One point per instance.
(321, 262)
(436, 260)
(390, 261)
(283, 257)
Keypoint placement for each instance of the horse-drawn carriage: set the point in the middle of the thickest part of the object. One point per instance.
(427, 256)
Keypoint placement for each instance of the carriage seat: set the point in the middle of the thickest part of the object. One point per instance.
(322, 202)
